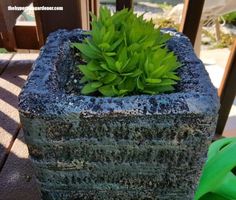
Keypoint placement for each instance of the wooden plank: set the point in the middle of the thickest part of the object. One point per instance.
(39, 25)
(8, 20)
(4, 61)
(96, 7)
(11, 82)
(191, 18)
(26, 36)
(227, 91)
(74, 15)
(1, 41)
(17, 178)
(83, 9)
(2, 18)
(8, 39)
(198, 40)
(120, 4)
(31, 37)
(7, 17)
(93, 8)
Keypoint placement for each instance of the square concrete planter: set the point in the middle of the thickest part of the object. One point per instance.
(137, 147)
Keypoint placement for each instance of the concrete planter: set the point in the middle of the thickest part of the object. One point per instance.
(136, 147)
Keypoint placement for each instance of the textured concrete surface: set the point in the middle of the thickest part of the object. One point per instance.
(215, 62)
(17, 179)
(135, 147)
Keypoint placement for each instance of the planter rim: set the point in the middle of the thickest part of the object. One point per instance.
(43, 95)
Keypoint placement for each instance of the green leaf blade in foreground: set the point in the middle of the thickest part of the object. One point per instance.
(220, 163)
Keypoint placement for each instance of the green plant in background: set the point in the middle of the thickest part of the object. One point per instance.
(165, 6)
(2, 50)
(225, 42)
(230, 18)
(126, 55)
(165, 23)
(218, 181)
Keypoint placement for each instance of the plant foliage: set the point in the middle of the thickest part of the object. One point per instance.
(126, 55)
(218, 179)
(230, 18)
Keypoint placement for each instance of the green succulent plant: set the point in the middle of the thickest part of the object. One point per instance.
(126, 55)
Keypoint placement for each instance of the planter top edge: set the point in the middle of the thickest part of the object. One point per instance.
(42, 93)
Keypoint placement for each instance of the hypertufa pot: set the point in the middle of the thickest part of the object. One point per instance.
(136, 147)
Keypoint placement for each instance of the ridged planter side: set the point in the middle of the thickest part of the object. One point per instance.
(136, 147)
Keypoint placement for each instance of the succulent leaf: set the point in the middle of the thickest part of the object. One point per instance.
(126, 55)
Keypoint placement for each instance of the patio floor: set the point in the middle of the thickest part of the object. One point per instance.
(17, 180)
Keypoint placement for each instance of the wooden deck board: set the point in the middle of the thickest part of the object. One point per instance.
(16, 175)
(11, 82)
(17, 179)
(4, 61)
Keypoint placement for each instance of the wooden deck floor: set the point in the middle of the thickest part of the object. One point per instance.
(17, 179)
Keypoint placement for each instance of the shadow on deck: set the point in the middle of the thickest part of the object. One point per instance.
(17, 179)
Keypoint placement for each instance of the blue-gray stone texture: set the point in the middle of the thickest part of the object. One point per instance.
(143, 147)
